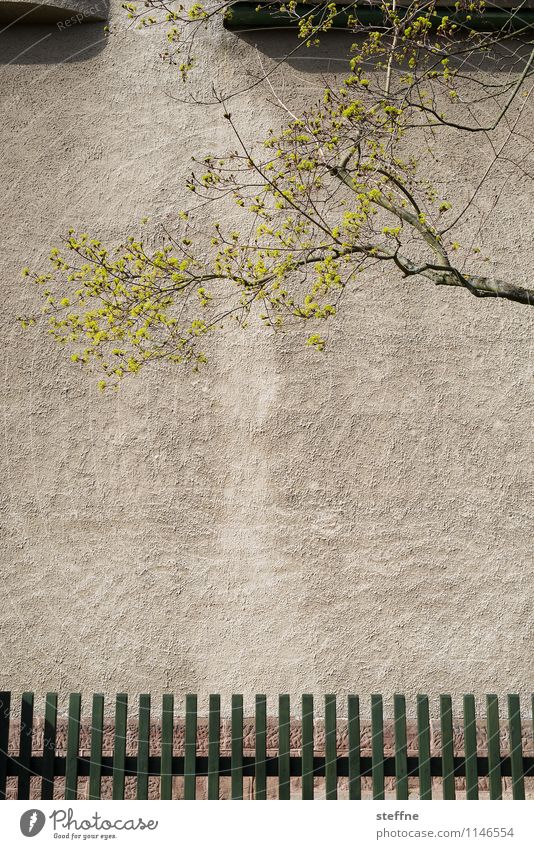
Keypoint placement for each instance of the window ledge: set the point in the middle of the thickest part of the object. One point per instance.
(244, 15)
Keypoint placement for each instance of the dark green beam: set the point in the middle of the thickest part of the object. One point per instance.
(247, 16)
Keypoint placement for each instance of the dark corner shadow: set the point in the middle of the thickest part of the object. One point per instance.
(334, 51)
(48, 34)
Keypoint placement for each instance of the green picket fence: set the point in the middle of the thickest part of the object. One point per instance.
(416, 775)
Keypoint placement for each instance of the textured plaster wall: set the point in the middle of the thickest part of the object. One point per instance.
(285, 521)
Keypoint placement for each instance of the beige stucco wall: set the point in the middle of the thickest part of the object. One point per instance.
(285, 521)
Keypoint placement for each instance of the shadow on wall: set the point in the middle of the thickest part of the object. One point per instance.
(51, 33)
(331, 55)
(72, 31)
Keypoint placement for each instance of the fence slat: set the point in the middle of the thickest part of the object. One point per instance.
(401, 747)
(5, 712)
(73, 746)
(97, 736)
(214, 745)
(330, 746)
(284, 787)
(353, 722)
(119, 745)
(143, 746)
(190, 748)
(494, 746)
(261, 748)
(377, 746)
(167, 734)
(423, 748)
(516, 747)
(49, 746)
(237, 747)
(25, 745)
(307, 746)
(470, 748)
(447, 748)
